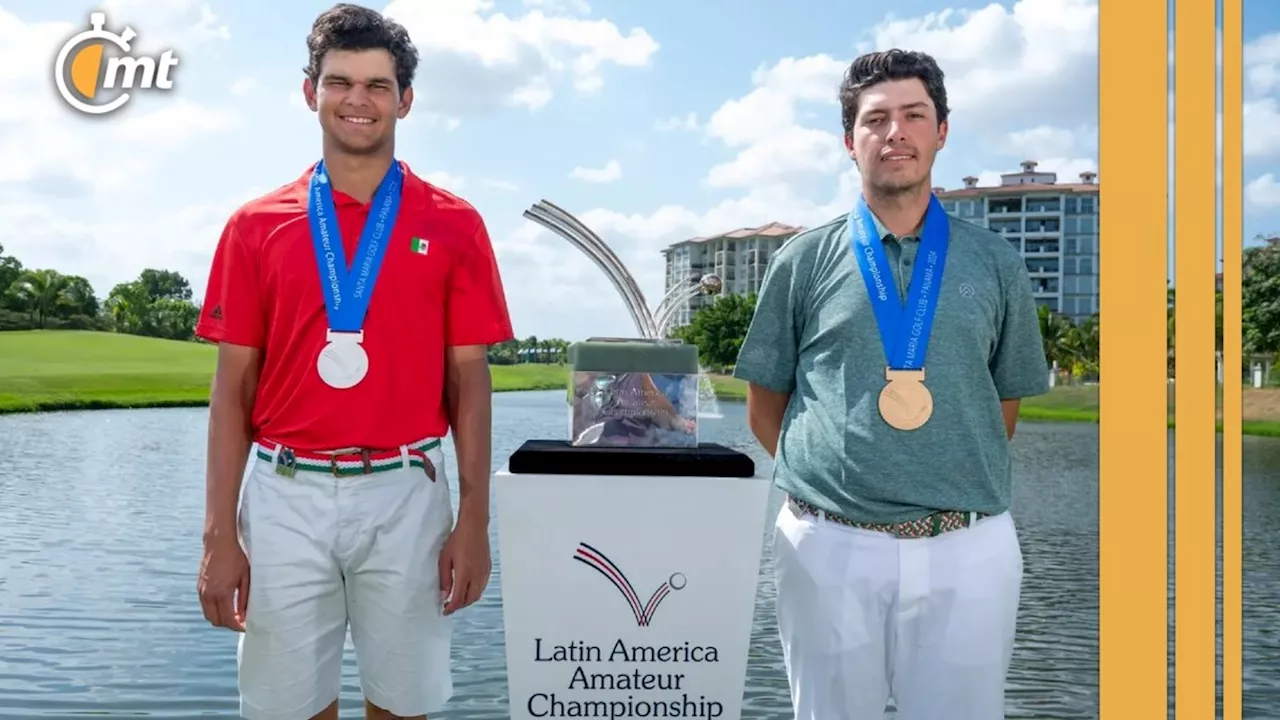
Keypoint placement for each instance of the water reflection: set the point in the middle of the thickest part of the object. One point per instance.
(100, 518)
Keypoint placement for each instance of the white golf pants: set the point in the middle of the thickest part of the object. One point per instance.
(864, 616)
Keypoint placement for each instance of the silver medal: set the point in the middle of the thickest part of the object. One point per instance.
(342, 363)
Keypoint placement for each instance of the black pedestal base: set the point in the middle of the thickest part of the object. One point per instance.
(558, 457)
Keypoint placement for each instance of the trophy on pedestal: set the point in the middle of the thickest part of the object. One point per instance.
(631, 392)
(630, 552)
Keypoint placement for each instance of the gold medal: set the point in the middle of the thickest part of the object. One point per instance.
(905, 403)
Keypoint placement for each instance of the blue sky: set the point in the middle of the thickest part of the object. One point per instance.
(1262, 118)
(653, 122)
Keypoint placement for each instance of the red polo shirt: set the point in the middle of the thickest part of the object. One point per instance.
(264, 291)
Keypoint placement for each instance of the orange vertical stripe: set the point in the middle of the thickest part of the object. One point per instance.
(1195, 243)
(1232, 342)
(1133, 513)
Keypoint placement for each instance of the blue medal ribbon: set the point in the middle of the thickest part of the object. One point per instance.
(347, 292)
(904, 331)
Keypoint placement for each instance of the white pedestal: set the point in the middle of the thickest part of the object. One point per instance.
(621, 593)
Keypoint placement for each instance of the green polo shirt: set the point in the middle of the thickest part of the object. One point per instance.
(814, 335)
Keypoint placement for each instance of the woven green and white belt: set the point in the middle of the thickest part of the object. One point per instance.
(289, 462)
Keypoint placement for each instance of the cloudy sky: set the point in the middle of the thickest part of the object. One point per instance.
(1261, 118)
(652, 122)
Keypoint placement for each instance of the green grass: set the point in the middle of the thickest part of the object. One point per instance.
(728, 387)
(73, 370)
(1079, 403)
(76, 370)
(1260, 428)
(1066, 404)
(507, 378)
(63, 370)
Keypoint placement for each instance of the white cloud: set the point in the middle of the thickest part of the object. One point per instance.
(1054, 149)
(1262, 128)
(1262, 64)
(791, 152)
(245, 86)
(611, 172)
(174, 124)
(500, 185)
(771, 106)
(1023, 80)
(1035, 59)
(1046, 141)
(80, 194)
(677, 122)
(109, 247)
(1067, 169)
(1263, 192)
(579, 7)
(40, 136)
(178, 24)
(775, 147)
(445, 181)
(72, 189)
(1038, 57)
(474, 58)
(1029, 61)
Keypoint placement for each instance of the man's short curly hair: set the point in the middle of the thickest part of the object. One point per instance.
(351, 27)
(887, 65)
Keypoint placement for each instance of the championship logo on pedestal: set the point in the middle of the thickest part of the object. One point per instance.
(634, 486)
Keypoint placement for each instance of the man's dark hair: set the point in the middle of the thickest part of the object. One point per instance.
(352, 27)
(884, 66)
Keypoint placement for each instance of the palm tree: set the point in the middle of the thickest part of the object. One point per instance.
(1083, 341)
(1072, 347)
(40, 292)
(78, 298)
(1054, 330)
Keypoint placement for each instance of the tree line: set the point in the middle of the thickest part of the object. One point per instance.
(1071, 346)
(156, 304)
(719, 330)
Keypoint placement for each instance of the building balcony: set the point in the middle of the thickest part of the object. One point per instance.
(1041, 248)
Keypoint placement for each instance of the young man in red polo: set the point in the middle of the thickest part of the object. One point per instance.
(352, 309)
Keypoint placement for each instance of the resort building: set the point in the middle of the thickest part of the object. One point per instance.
(1053, 225)
(738, 257)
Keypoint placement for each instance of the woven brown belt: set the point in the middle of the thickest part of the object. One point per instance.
(928, 526)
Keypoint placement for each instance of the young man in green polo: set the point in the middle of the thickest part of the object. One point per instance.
(886, 360)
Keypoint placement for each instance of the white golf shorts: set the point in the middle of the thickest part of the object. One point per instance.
(328, 554)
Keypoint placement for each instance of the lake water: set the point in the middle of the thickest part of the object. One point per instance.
(100, 519)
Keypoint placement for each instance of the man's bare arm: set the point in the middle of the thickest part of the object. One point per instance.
(235, 385)
(469, 394)
(1010, 410)
(765, 409)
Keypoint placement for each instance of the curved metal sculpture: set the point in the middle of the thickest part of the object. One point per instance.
(651, 325)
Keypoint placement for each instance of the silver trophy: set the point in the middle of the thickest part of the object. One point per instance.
(634, 392)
